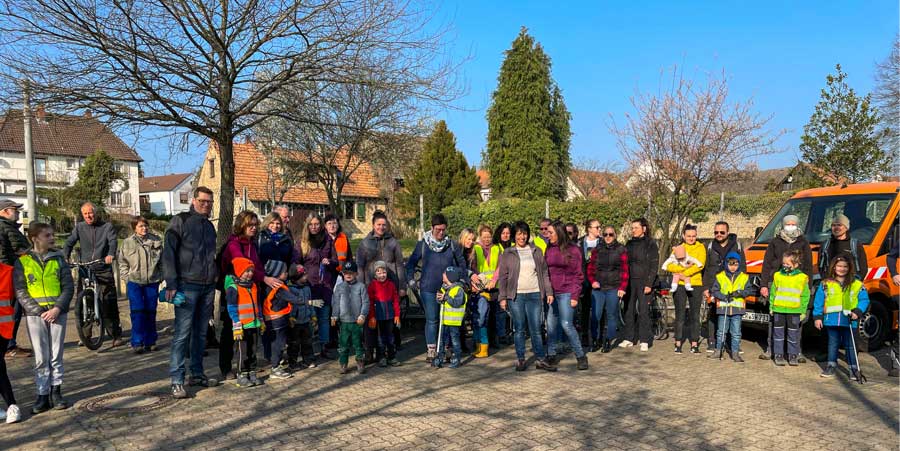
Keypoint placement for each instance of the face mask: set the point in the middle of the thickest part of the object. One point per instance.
(790, 228)
(786, 268)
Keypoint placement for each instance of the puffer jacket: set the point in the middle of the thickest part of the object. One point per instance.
(643, 261)
(139, 259)
(775, 251)
(350, 301)
(12, 241)
(698, 251)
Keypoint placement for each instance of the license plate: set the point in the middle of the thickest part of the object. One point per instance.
(754, 317)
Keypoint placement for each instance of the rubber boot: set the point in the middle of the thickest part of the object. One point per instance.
(56, 398)
(481, 351)
(41, 405)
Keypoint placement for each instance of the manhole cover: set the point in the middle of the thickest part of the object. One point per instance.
(130, 402)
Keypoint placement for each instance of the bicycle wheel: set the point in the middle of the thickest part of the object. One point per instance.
(90, 323)
(660, 322)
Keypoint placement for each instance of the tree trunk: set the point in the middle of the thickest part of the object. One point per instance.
(226, 194)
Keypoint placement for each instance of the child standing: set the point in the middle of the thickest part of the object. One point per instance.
(453, 309)
(840, 302)
(245, 313)
(789, 298)
(300, 332)
(729, 291)
(384, 314)
(276, 310)
(44, 288)
(350, 305)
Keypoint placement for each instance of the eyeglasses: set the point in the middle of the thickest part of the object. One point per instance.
(543, 229)
(204, 202)
(609, 234)
(718, 232)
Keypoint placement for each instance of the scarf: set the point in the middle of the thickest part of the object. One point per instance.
(434, 245)
(790, 237)
(316, 241)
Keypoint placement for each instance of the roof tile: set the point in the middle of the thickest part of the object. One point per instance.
(62, 135)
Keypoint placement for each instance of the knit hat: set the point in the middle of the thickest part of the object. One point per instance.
(790, 218)
(349, 267)
(274, 268)
(841, 219)
(379, 264)
(733, 256)
(453, 274)
(241, 265)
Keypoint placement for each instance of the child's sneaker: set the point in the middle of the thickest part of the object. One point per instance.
(344, 369)
(280, 373)
(254, 380)
(792, 360)
(393, 362)
(854, 374)
(828, 371)
(678, 349)
(438, 362)
(243, 381)
(779, 360)
(454, 363)
(736, 356)
(645, 347)
(695, 349)
(383, 363)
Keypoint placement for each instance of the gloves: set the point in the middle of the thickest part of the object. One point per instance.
(373, 324)
(318, 303)
(237, 331)
(262, 328)
(802, 317)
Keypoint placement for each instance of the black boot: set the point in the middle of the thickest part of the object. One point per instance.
(41, 405)
(56, 398)
(607, 346)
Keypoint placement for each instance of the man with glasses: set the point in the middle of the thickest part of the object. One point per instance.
(541, 240)
(190, 272)
(587, 243)
(12, 245)
(841, 242)
(722, 244)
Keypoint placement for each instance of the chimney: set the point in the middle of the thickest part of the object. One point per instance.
(88, 114)
(40, 113)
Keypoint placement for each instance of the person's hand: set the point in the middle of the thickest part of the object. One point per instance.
(706, 295)
(333, 322)
(647, 290)
(573, 302)
(819, 324)
(896, 280)
(620, 294)
(764, 291)
(108, 259)
(397, 321)
(318, 303)
(170, 294)
(402, 293)
(491, 284)
(549, 300)
(373, 324)
(474, 279)
(360, 320)
(503, 304)
(595, 285)
(50, 315)
(273, 282)
(439, 296)
(326, 261)
(853, 316)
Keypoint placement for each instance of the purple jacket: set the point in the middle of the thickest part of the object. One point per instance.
(312, 260)
(242, 247)
(565, 276)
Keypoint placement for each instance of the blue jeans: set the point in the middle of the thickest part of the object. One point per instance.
(450, 336)
(323, 319)
(526, 309)
(840, 336)
(606, 301)
(432, 314)
(499, 319)
(561, 316)
(191, 320)
(480, 315)
(142, 300)
(729, 323)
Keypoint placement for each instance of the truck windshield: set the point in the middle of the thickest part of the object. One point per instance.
(865, 211)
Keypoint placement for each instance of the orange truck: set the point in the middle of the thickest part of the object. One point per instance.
(873, 210)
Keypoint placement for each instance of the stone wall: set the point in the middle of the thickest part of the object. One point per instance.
(740, 225)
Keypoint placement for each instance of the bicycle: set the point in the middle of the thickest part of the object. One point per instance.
(90, 321)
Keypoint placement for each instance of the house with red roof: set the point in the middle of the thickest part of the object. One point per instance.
(166, 194)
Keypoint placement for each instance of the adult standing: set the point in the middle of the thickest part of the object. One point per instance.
(466, 244)
(789, 238)
(840, 242)
(589, 318)
(139, 264)
(693, 297)
(320, 264)
(643, 267)
(339, 240)
(541, 240)
(272, 243)
(12, 245)
(380, 245)
(564, 265)
(607, 273)
(98, 241)
(189, 269)
(892, 257)
(484, 263)
(436, 252)
(285, 214)
(498, 331)
(524, 282)
(723, 243)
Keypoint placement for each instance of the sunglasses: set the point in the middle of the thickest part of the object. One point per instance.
(720, 233)
(609, 234)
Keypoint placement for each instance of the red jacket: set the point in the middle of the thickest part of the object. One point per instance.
(384, 300)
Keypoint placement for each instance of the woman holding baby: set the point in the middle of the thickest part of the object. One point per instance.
(686, 266)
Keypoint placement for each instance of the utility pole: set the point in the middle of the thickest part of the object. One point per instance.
(31, 196)
(421, 216)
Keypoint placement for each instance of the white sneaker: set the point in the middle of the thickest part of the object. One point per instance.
(626, 344)
(645, 347)
(12, 414)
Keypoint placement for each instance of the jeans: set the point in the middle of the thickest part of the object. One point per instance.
(500, 316)
(279, 339)
(323, 313)
(142, 300)
(47, 339)
(638, 311)
(692, 299)
(606, 301)
(432, 315)
(450, 337)
(561, 316)
(480, 314)
(191, 320)
(525, 309)
(729, 323)
(786, 325)
(840, 336)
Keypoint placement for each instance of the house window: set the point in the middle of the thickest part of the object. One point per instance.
(40, 169)
(72, 164)
(348, 210)
(360, 211)
(212, 168)
(116, 199)
(118, 166)
(183, 197)
(312, 177)
(144, 203)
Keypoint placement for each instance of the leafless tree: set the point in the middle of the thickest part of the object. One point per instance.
(683, 139)
(594, 177)
(206, 68)
(887, 97)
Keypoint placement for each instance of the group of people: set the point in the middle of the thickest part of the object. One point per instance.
(300, 294)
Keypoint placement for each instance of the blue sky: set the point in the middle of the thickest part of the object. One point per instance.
(776, 52)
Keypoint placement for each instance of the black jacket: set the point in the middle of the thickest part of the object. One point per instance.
(715, 258)
(832, 247)
(12, 242)
(643, 261)
(776, 250)
(97, 241)
(189, 251)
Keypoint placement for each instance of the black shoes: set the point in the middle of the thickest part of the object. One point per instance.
(545, 365)
(678, 349)
(520, 365)
(41, 405)
(695, 349)
(582, 363)
(779, 360)
(56, 398)
(792, 360)
(607, 346)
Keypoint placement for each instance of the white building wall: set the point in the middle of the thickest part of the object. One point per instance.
(169, 202)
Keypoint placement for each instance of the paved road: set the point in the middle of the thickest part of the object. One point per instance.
(627, 400)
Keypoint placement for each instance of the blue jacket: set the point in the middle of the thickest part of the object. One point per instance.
(302, 314)
(837, 319)
(433, 265)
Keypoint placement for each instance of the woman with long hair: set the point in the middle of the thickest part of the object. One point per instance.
(317, 257)
(566, 276)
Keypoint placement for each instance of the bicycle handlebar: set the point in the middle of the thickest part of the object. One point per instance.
(92, 262)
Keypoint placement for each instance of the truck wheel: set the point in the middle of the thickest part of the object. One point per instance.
(874, 327)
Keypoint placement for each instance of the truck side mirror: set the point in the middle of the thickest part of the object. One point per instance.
(757, 232)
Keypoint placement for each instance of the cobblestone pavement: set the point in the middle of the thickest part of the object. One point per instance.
(627, 400)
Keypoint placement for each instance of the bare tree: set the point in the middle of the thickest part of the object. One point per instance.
(682, 140)
(887, 97)
(205, 68)
(594, 178)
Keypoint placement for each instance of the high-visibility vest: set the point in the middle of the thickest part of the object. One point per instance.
(7, 298)
(270, 314)
(727, 286)
(839, 299)
(486, 268)
(789, 290)
(247, 301)
(453, 316)
(541, 244)
(42, 280)
(342, 248)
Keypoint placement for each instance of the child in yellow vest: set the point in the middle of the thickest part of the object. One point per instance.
(788, 299)
(245, 311)
(729, 291)
(840, 302)
(44, 288)
(453, 309)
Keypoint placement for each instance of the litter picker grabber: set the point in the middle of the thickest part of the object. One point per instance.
(440, 343)
(859, 375)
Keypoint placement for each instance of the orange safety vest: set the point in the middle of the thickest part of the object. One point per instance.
(342, 247)
(247, 306)
(268, 313)
(7, 298)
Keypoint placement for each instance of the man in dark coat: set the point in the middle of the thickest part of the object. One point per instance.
(12, 245)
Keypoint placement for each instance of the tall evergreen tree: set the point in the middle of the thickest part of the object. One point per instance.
(442, 175)
(842, 136)
(528, 126)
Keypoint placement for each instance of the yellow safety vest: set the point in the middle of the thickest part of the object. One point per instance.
(788, 290)
(486, 268)
(541, 244)
(726, 287)
(453, 316)
(838, 299)
(43, 280)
